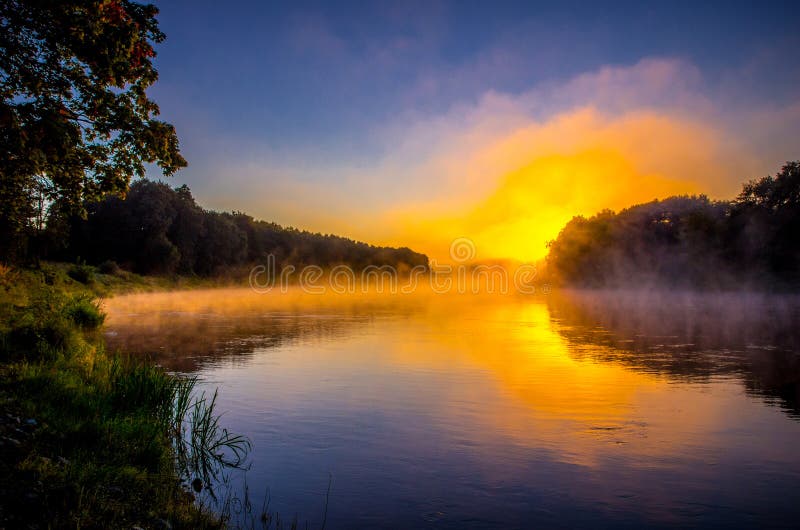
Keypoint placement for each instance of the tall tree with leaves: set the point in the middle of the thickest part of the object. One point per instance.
(74, 111)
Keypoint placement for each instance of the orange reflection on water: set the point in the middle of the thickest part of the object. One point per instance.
(543, 395)
(636, 404)
(502, 366)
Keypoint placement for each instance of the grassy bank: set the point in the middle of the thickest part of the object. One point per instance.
(89, 439)
(107, 279)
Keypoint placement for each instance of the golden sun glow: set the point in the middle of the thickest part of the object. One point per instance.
(578, 163)
(534, 203)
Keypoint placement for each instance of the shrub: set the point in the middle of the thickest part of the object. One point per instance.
(49, 326)
(109, 267)
(37, 339)
(81, 272)
(85, 312)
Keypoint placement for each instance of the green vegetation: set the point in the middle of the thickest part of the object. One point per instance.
(159, 230)
(76, 120)
(89, 439)
(77, 126)
(61, 277)
(693, 242)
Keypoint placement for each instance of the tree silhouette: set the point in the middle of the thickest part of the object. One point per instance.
(74, 110)
(753, 241)
(157, 229)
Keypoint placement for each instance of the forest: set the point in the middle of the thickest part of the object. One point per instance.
(156, 229)
(752, 241)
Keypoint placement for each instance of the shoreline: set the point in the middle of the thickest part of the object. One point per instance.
(87, 436)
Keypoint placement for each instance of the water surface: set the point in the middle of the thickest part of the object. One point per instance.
(591, 409)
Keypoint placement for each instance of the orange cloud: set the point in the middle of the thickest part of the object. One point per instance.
(580, 162)
(509, 171)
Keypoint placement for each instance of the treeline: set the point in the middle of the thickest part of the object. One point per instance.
(156, 229)
(690, 241)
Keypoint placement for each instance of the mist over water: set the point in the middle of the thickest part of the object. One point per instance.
(595, 408)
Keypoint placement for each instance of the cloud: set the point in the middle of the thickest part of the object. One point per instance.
(537, 177)
(509, 170)
(512, 169)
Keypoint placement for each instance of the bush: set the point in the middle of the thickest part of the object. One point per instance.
(81, 272)
(48, 326)
(85, 312)
(34, 339)
(109, 267)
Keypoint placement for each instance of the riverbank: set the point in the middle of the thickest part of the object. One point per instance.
(109, 280)
(87, 437)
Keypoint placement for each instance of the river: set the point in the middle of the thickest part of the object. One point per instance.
(593, 409)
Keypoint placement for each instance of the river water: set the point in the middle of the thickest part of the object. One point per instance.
(601, 409)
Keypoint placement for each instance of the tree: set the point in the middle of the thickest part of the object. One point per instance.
(223, 244)
(753, 241)
(187, 229)
(765, 224)
(774, 193)
(74, 109)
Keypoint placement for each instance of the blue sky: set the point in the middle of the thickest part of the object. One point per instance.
(313, 104)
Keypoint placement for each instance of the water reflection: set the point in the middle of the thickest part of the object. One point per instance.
(187, 331)
(689, 336)
(573, 409)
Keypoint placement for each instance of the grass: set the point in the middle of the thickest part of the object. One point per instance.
(90, 439)
(107, 279)
(204, 447)
(81, 272)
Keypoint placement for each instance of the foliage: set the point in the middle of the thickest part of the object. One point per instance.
(47, 327)
(108, 430)
(75, 118)
(765, 220)
(753, 241)
(81, 272)
(160, 230)
(84, 311)
(101, 461)
(109, 267)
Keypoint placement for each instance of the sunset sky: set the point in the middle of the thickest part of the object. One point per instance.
(415, 123)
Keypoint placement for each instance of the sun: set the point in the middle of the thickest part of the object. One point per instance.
(533, 203)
